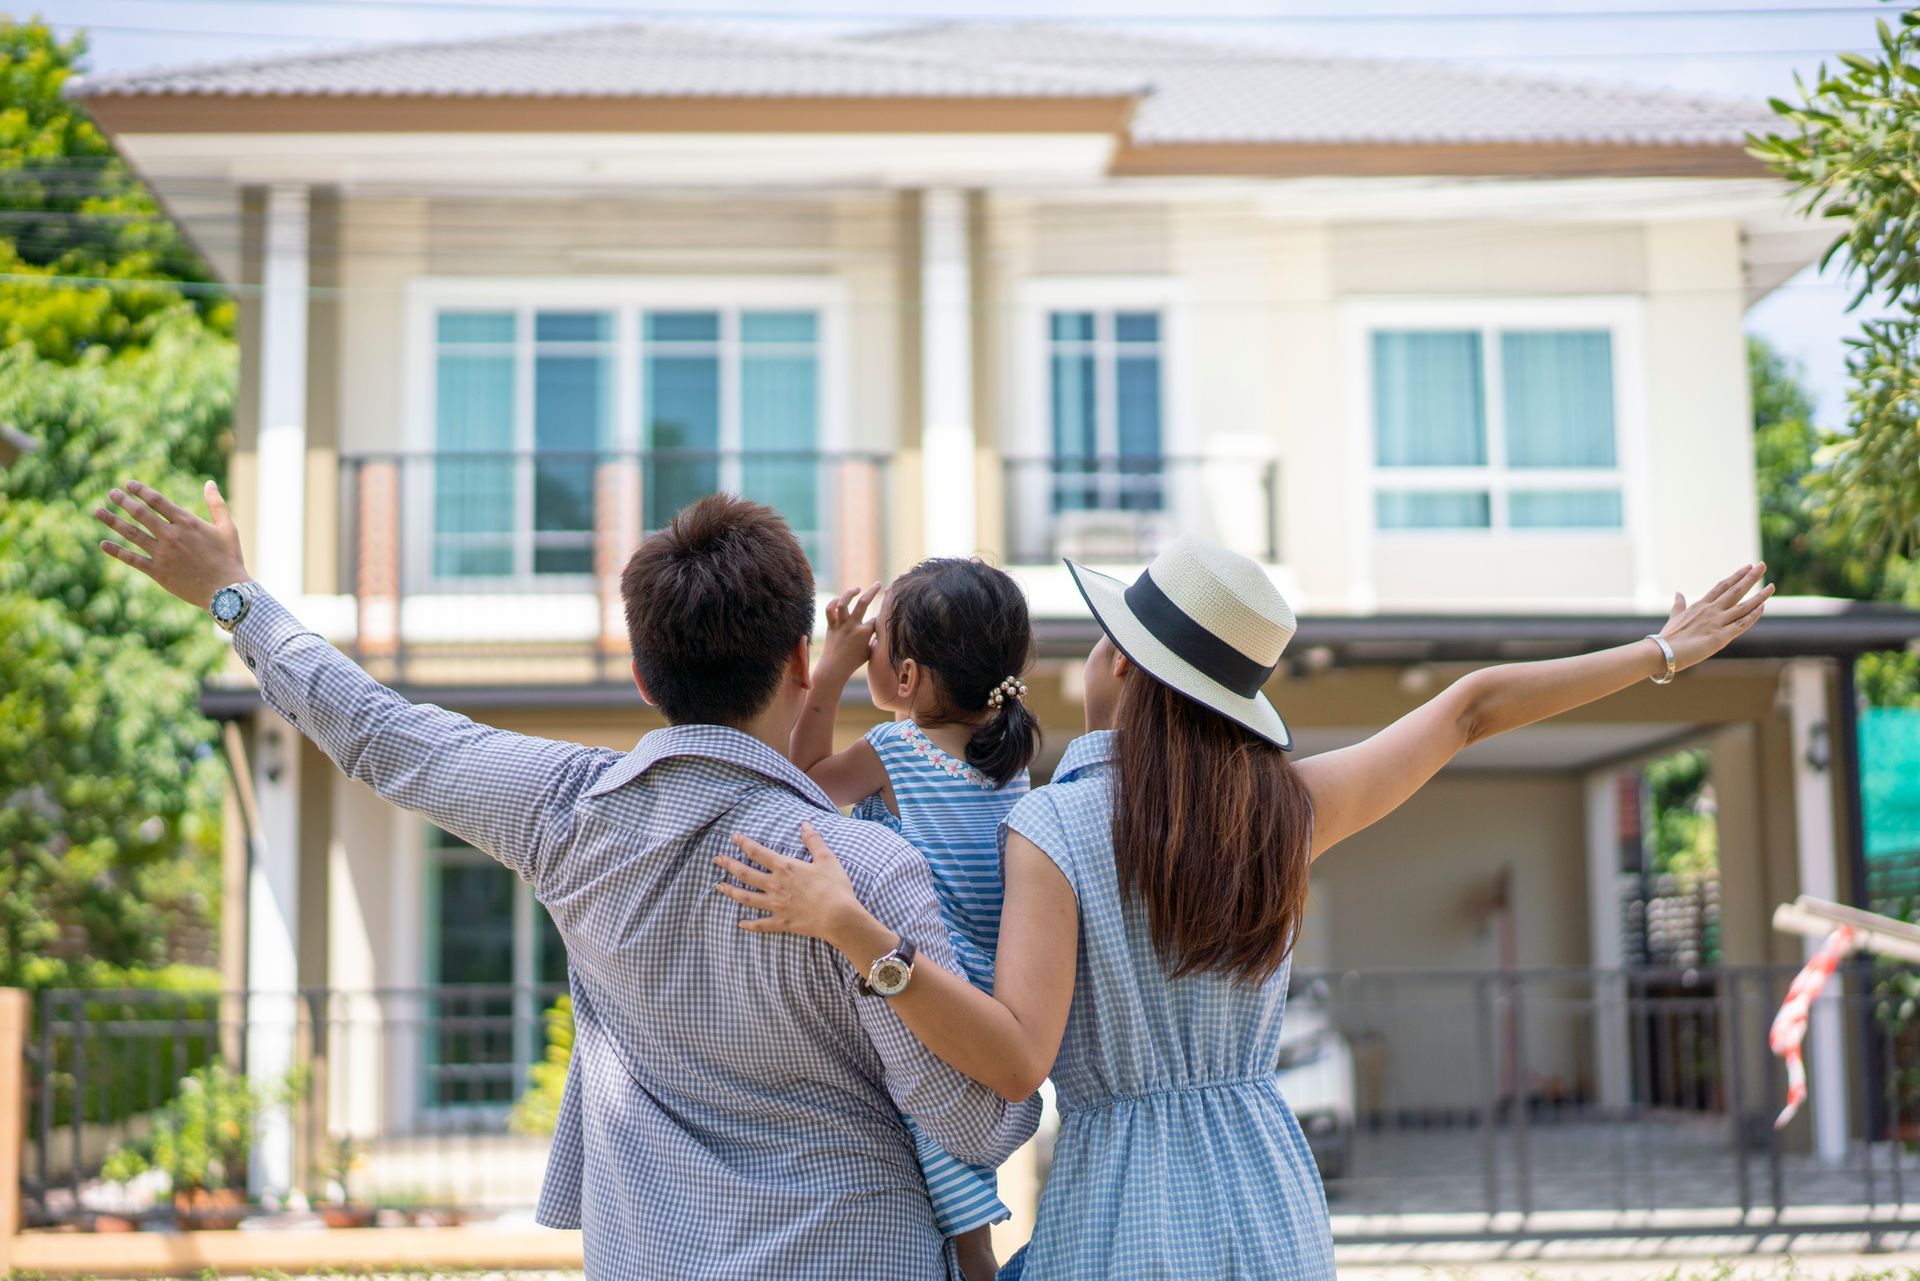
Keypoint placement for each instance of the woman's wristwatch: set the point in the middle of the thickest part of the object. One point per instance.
(889, 975)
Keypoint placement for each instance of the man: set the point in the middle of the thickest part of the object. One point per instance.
(732, 1109)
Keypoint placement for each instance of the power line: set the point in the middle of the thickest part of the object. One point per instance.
(1545, 55)
(1330, 16)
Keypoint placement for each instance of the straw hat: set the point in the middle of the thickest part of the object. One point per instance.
(1206, 621)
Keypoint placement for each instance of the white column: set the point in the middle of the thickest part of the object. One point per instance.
(946, 380)
(278, 545)
(273, 938)
(1610, 1041)
(1813, 752)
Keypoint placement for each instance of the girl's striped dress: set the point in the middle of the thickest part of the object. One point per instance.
(951, 812)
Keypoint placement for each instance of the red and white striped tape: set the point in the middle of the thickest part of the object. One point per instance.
(1790, 1024)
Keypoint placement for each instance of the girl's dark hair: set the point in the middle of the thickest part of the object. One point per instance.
(1212, 830)
(966, 623)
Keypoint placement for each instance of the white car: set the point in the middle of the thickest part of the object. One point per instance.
(1316, 1078)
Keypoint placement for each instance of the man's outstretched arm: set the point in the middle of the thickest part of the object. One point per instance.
(507, 794)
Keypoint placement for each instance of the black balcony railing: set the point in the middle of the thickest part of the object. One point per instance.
(427, 537)
(1126, 507)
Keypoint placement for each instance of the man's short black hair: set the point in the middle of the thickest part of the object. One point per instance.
(715, 603)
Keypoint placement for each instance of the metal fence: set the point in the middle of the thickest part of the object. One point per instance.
(398, 1098)
(1618, 1095)
(1126, 507)
(1464, 1104)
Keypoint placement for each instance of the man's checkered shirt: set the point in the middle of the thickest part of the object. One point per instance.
(733, 1104)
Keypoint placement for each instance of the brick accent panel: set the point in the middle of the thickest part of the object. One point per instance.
(376, 562)
(858, 518)
(616, 532)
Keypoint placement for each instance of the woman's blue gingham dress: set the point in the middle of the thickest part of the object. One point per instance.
(1177, 1157)
(951, 812)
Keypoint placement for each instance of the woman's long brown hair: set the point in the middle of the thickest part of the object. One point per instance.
(1211, 831)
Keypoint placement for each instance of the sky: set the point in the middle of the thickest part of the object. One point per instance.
(1747, 48)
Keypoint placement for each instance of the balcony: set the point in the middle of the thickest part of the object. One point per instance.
(504, 567)
(1122, 509)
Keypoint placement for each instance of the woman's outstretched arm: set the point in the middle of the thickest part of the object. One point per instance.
(1357, 786)
(1006, 1041)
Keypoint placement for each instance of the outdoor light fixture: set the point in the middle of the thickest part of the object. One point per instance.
(1317, 659)
(1819, 748)
(273, 755)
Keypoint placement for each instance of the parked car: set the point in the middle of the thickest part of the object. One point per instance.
(1316, 1077)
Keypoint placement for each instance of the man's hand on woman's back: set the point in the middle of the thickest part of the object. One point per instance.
(190, 557)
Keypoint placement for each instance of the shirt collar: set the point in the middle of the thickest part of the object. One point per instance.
(713, 742)
(1085, 753)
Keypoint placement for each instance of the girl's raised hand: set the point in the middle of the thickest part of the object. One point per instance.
(849, 634)
(812, 899)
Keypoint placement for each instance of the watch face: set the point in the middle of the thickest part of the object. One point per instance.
(890, 976)
(226, 604)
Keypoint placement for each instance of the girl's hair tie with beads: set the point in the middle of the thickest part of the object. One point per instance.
(1012, 687)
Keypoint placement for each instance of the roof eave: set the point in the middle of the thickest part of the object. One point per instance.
(181, 113)
(1530, 158)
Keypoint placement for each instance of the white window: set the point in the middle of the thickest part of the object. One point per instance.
(704, 386)
(1496, 424)
(1106, 406)
(1094, 465)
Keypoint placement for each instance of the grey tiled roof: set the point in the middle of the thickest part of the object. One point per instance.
(1205, 93)
(1190, 92)
(624, 60)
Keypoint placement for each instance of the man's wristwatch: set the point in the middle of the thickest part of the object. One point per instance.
(230, 604)
(889, 975)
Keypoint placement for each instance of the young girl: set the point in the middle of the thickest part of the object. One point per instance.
(945, 655)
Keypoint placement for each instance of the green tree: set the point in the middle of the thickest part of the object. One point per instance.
(117, 358)
(71, 213)
(109, 787)
(1851, 147)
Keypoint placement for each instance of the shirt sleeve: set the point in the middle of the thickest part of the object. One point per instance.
(507, 794)
(1036, 817)
(966, 1118)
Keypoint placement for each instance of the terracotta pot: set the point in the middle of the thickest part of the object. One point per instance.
(208, 1209)
(114, 1223)
(442, 1218)
(345, 1215)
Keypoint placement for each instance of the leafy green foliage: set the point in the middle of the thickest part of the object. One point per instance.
(69, 207)
(202, 1136)
(1851, 147)
(108, 785)
(538, 1110)
(1808, 551)
(1686, 840)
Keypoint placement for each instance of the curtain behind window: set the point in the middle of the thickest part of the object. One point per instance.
(1429, 401)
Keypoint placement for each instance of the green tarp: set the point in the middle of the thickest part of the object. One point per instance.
(1890, 780)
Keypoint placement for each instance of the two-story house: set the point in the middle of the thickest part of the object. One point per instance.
(1458, 356)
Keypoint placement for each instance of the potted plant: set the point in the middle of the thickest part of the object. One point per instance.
(341, 1159)
(200, 1141)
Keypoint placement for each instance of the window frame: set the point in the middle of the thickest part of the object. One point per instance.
(1496, 476)
(1031, 344)
(1622, 317)
(627, 299)
(528, 1030)
(1033, 347)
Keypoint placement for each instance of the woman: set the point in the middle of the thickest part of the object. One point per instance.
(1153, 892)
